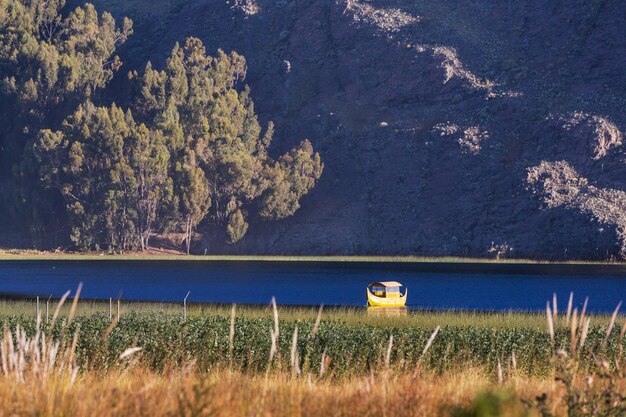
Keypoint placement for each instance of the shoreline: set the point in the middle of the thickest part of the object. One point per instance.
(450, 265)
(35, 255)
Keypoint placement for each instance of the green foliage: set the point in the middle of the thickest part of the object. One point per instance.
(290, 180)
(237, 227)
(49, 64)
(196, 154)
(47, 59)
(212, 126)
(193, 190)
(112, 174)
(493, 404)
(167, 340)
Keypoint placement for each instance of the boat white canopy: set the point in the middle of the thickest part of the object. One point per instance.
(387, 284)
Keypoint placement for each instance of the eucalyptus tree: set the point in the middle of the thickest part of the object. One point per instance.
(191, 151)
(49, 64)
(208, 117)
(112, 174)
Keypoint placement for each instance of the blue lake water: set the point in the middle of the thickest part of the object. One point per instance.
(434, 287)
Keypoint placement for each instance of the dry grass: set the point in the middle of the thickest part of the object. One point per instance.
(139, 392)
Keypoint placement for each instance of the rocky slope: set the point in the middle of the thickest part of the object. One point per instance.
(444, 125)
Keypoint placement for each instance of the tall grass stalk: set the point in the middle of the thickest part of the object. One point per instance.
(37, 357)
(430, 340)
(323, 364)
(429, 343)
(555, 312)
(231, 337)
(275, 311)
(318, 320)
(609, 329)
(583, 313)
(388, 353)
(59, 305)
(569, 308)
(74, 304)
(550, 320)
(574, 332)
(294, 358)
(584, 333)
(128, 352)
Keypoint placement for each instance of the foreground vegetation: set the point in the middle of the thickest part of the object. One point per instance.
(136, 391)
(251, 361)
(341, 341)
(131, 390)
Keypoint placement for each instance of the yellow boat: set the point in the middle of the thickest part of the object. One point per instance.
(386, 294)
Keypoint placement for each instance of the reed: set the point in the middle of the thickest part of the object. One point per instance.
(430, 340)
(388, 354)
(584, 333)
(550, 321)
(294, 361)
(555, 312)
(574, 332)
(609, 328)
(24, 357)
(568, 315)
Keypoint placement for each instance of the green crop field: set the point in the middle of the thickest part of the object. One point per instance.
(356, 340)
(350, 315)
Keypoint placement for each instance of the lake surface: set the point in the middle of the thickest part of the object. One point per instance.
(434, 286)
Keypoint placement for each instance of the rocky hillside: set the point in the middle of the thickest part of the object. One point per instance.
(447, 127)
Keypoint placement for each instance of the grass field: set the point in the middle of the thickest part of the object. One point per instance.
(140, 392)
(296, 361)
(356, 339)
(349, 315)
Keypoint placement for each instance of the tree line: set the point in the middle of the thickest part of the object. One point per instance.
(187, 151)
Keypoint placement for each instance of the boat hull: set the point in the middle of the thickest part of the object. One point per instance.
(374, 301)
